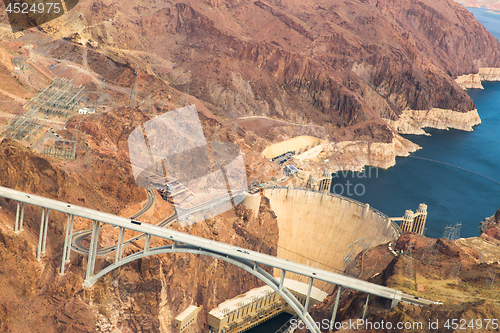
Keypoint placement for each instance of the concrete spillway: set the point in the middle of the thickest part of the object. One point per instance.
(325, 230)
(299, 143)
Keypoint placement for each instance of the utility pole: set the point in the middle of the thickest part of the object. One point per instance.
(186, 89)
(132, 90)
(409, 266)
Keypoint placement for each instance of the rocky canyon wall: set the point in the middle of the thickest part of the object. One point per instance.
(355, 155)
(473, 81)
(489, 74)
(470, 81)
(413, 121)
(490, 4)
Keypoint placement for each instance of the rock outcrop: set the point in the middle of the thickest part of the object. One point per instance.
(354, 155)
(489, 74)
(470, 81)
(473, 81)
(413, 121)
(351, 156)
(338, 65)
(452, 272)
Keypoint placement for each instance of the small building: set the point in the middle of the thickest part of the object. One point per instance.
(246, 311)
(86, 110)
(291, 170)
(187, 317)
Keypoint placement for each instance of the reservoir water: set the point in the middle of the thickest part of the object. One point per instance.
(457, 173)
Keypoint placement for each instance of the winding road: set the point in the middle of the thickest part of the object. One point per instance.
(78, 237)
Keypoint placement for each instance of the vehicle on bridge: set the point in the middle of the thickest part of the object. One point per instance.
(241, 250)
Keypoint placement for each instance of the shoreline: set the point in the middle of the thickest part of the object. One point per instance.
(413, 122)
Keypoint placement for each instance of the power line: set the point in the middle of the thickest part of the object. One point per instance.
(457, 167)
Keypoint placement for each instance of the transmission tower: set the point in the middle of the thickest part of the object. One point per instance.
(448, 230)
(409, 266)
(452, 233)
(427, 249)
(186, 88)
(490, 278)
(348, 257)
(456, 268)
(435, 251)
(456, 231)
(132, 90)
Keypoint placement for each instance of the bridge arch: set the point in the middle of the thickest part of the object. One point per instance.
(248, 266)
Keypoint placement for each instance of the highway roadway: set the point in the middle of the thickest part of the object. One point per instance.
(78, 237)
(218, 248)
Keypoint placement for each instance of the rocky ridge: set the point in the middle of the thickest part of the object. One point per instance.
(413, 121)
(470, 81)
(340, 64)
(350, 68)
(143, 296)
(453, 272)
(473, 81)
(281, 65)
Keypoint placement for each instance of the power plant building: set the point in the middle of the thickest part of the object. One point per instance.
(187, 318)
(248, 310)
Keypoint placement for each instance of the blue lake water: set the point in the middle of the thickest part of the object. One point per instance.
(490, 20)
(457, 173)
(463, 189)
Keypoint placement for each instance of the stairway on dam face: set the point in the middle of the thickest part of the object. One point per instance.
(320, 230)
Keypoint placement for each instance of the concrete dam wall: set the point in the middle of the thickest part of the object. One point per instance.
(325, 230)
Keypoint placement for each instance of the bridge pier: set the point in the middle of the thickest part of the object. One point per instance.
(40, 236)
(92, 250)
(147, 243)
(22, 217)
(306, 305)
(44, 243)
(16, 224)
(69, 238)
(67, 242)
(119, 245)
(335, 308)
(282, 280)
(366, 306)
(96, 242)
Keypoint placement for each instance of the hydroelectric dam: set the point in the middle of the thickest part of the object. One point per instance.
(323, 230)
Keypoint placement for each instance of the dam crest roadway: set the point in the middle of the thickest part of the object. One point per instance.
(181, 242)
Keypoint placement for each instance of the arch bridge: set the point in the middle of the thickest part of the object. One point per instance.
(180, 242)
